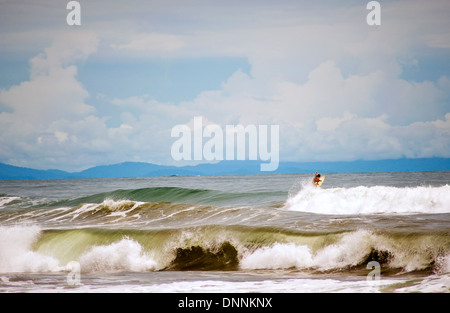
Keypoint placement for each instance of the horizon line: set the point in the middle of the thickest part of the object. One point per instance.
(222, 161)
(416, 168)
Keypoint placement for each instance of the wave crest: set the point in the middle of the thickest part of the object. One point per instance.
(371, 200)
(123, 255)
(219, 248)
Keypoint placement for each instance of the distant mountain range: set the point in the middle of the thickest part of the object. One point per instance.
(138, 169)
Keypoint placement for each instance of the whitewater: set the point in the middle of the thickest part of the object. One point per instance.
(261, 233)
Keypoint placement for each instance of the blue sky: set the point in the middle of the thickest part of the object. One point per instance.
(111, 89)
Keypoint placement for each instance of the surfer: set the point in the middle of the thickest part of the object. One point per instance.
(318, 180)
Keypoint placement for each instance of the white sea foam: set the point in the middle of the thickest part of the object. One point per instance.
(16, 253)
(371, 200)
(430, 284)
(443, 264)
(303, 285)
(5, 200)
(269, 286)
(350, 250)
(124, 255)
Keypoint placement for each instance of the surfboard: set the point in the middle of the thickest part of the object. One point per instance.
(320, 182)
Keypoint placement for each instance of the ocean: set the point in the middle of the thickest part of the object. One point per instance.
(359, 232)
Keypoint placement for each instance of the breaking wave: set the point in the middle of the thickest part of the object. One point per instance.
(31, 249)
(371, 200)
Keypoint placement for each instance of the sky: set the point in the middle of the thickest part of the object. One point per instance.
(111, 89)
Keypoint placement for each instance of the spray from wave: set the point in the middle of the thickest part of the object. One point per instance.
(353, 249)
(123, 255)
(17, 254)
(371, 200)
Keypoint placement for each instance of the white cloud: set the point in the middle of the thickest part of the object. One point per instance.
(332, 117)
(65, 49)
(330, 124)
(152, 42)
(61, 136)
(53, 91)
(52, 94)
